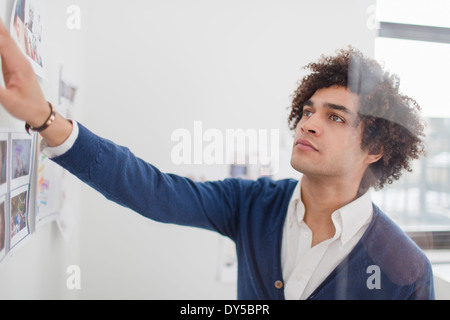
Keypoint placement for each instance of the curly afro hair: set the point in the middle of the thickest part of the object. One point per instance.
(391, 121)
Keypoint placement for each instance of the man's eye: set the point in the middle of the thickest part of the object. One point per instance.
(336, 118)
(307, 113)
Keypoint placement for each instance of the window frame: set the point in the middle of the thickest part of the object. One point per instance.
(425, 239)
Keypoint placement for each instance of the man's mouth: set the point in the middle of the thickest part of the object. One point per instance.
(305, 145)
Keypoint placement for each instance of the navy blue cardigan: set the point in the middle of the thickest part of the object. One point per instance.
(252, 214)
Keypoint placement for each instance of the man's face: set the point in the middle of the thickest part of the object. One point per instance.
(327, 141)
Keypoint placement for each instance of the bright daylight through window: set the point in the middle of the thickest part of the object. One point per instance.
(414, 42)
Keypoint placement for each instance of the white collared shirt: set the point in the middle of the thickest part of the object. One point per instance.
(305, 268)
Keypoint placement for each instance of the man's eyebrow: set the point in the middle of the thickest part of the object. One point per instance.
(308, 103)
(329, 105)
(337, 107)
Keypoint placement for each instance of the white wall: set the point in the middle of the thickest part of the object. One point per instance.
(156, 66)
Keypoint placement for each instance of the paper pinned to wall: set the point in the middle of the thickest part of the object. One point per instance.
(19, 209)
(48, 189)
(2, 227)
(68, 89)
(27, 24)
(16, 171)
(21, 153)
(3, 162)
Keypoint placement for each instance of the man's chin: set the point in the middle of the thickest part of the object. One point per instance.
(296, 165)
(305, 168)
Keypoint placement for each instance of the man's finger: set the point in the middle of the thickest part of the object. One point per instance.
(3, 28)
(10, 52)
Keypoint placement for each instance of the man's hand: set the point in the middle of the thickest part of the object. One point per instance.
(22, 96)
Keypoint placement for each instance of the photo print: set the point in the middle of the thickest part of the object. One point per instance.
(3, 162)
(69, 79)
(26, 29)
(21, 159)
(19, 227)
(49, 190)
(2, 227)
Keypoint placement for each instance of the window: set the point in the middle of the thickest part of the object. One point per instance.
(414, 42)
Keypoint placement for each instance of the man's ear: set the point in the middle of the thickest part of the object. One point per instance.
(374, 157)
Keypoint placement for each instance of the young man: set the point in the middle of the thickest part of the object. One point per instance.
(317, 238)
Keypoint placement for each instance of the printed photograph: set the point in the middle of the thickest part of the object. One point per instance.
(21, 158)
(3, 145)
(49, 190)
(68, 89)
(19, 215)
(3, 162)
(2, 227)
(26, 28)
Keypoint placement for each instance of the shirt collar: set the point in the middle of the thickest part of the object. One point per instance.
(296, 209)
(347, 220)
(353, 216)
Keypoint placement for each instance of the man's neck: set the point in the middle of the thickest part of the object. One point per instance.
(321, 197)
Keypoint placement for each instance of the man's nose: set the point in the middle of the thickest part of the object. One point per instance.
(311, 125)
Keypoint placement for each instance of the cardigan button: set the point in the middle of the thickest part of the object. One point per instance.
(278, 284)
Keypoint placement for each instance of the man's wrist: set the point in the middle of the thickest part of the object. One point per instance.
(40, 116)
(48, 121)
(58, 132)
(56, 151)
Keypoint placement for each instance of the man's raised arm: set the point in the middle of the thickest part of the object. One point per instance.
(22, 96)
(113, 170)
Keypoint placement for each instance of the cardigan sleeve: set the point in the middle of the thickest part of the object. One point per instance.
(129, 181)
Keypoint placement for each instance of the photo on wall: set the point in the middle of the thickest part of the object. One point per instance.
(68, 89)
(3, 225)
(49, 190)
(3, 162)
(19, 227)
(26, 28)
(21, 159)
